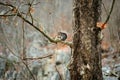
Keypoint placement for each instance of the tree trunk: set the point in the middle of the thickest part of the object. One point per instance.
(86, 64)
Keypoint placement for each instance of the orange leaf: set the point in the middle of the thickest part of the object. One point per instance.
(101, 25)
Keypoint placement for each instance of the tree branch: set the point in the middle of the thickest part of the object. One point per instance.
(58, 72)
(42, 32)
(108, 17)
(45, 56)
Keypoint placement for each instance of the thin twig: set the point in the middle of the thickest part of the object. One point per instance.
(45, 56)
(23, 43)
(36, 3)
(105, 9)
(108, 17)
(7, 5)
(29, 10)
(7, 15)
(58, 72)
(7, 11)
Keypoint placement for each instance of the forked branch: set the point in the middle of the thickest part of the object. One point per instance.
(34, 26)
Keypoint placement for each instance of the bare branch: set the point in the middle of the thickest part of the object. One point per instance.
(29, 10)
(45, 56)
(49, 38)
(105, 8)
(108, 17)
(42, 32)
(7, 15)
(58, 72)
(9, 5)
(36, 3)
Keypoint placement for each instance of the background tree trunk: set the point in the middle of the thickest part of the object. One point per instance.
(86, 64)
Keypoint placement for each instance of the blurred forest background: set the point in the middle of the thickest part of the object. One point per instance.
(25, 54)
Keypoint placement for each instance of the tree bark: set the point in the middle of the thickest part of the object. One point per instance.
(86, 64)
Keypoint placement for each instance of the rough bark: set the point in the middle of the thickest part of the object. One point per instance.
(86, 64)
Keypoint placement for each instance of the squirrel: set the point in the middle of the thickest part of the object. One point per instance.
(61, 36)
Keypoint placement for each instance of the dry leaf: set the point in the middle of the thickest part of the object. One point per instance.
(101, 25)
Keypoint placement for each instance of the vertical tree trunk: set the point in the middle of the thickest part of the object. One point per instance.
(86, 63)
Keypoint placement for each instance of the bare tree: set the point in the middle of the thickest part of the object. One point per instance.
(86, 63)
